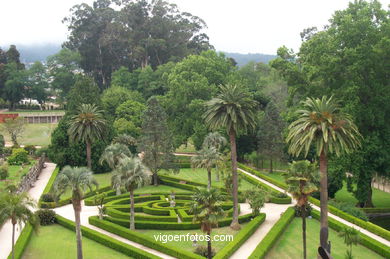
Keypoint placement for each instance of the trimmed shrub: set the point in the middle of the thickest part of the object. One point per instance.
(350, 209)
(22, 242)
(375, 210)
(46, 217)
(276, 231)
(19, 156)
(203, 251)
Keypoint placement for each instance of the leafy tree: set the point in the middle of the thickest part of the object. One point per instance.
(131, 174)
(84, 91)
(13, 56)
(15, 128)
(351, 237)
(17, 208)
(113, 97)
(155, 141)
(208, 159)
(129, 118)
(87, 126)
(301, 178)
(322, 124)
(76, 180)
(207, 210)
(256, 200)
(38, 82)
(14, 85)
(233, 109)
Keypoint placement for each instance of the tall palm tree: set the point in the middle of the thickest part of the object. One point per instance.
(214, 139)
(113, 153)
(17, 208)
(351, 237)
(131, 174)
(77, 180)
(322, 124)
(301, 178)
(87, 126)
(206, 158)
(233, 109)
(207, 210)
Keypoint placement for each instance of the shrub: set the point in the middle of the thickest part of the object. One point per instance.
(203, 251)
(350, 209)
(7, 151)
(40, 151)
(19, 156)
(30, 149)
(4, 171)
(46, 217)
(47, 197)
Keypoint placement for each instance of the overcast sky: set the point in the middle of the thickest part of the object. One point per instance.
(244, 26)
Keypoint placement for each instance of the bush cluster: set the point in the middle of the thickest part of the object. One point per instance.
(350, 209)
(46, 217)
(19, 156)
(203, 251)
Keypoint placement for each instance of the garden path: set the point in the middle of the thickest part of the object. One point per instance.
(35, 192)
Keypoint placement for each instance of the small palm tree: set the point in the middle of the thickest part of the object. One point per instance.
(301, 178)
(322, 124)
(77, 180)
(233, 109)
(214, 139)
(206, 158)
(124, 139)
(207, 210)
(131, 174)
(113, 153)
(351, 237)
(87, 126)
(17, 208)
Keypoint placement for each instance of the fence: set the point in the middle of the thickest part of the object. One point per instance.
(29, 179)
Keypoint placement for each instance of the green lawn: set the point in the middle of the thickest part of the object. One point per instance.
(15, 173)
(380, 198)
(200, 176)
(58, 242)
(188, 245)
(34, 134)
(289, 244)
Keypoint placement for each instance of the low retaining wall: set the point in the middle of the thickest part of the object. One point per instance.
(29, 179)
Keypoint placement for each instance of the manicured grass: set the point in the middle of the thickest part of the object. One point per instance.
(200, 176)
(290, 243)
(34, 134)
(60, 243)
(15, 173)
(188, 245)
(380, 198)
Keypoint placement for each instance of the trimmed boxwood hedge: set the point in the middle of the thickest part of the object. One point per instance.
(107, 241)
(365, 240)
(376, 210)
(269, 240)
(142, 239)
(49, 186)
(22, 242)
(361, 223)
(241, 237)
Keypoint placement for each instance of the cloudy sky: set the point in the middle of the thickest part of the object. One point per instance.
(244, 26)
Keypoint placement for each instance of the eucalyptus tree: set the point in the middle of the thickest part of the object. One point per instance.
(234, 110)
(76, 180)
(323, 125)
(88, 125)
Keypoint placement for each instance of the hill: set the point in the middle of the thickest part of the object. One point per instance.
(243, 59)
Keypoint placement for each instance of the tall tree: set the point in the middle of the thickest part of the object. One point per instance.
(234, 110)
(207, 210)
(216, 140)
(113, 153)
(207, 158)
(131, 174)
(322, 124)
(83, 91)
(15, 83)
(13, 56)
(38, 82)
(156, 141)
(15, 128)
(76, 180)
(301, 178)
(87, 126)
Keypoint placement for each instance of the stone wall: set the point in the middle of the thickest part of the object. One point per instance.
(29, 179)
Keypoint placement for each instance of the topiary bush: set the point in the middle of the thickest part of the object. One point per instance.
(46, 217)
(202, 250)
(19, 156)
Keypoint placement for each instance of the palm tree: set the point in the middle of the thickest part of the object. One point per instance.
(214, 139)
(206, 158)
(322, 124)
(17, 208)
(233, 109)
(131, 174)
(301, 178)
(87, 126)
(77, 180)
(351, 237)
(207, 210)
(113, 153)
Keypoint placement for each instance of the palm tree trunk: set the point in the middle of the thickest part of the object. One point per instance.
(77, 210)
(232, 135)
(132, 223)
(89, 163)
(368, 203)
(13, 240)
(303, 215)
(209, 179)
(324, 201)
(209, 255)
